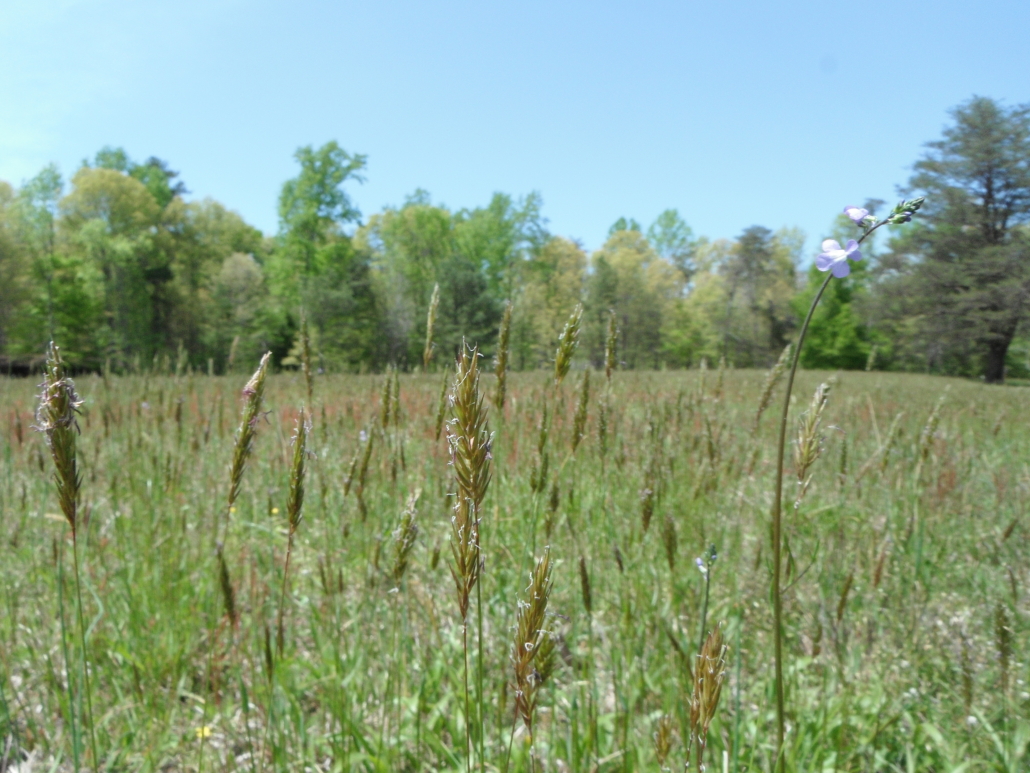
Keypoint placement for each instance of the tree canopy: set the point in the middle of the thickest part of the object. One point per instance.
(124, 272)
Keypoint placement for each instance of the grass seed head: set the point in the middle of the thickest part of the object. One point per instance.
(646, 507)
(434, 305)
(568, 341)
(56, 418)
(226, 586)
(305, 358)
(609, 345)
(809, 444)
(295, 501)
(892, 440)
(584, 581)
(501, 358)
(530, 649)
(772, 378)
(384, 400)
(468, 436)
(930, 428)
(253, 395)
(404, 538)
(663, 738)
(670, 541)
(708, 678)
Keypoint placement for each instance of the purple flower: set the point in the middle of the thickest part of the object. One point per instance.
(857, 214)
(834, 259)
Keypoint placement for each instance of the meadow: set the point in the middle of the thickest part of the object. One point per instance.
(905, 586)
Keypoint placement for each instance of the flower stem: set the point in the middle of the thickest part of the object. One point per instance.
(777, 512)
(776, 530)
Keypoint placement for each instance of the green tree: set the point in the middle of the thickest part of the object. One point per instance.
(964, 268)
(408, 247)
(673, 240)
(316, 267)
(38, 209)
(623, 224)
(760, 280)
(629, 277)
(552, 284)
(113, 222)
(500, 237)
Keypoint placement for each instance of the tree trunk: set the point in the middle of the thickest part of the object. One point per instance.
(994, 366)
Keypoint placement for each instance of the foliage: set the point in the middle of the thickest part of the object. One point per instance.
(124, 273)
(961, 279)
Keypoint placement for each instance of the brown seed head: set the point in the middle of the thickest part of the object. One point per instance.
(55, 418)
(253, 394)
(532, 650)
(708, 677)
(468, 436)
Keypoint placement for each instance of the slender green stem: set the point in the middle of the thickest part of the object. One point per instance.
(85, 661)
(511, 739)
(776, 530)
(479, 667)
(280, 645)
(282, 594)
(468, 724)
(76, 741)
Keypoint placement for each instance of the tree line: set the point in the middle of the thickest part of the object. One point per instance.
(125, 273)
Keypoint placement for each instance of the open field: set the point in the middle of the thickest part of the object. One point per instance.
(906, 603)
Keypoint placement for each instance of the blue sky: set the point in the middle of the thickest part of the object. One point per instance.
(735, 113)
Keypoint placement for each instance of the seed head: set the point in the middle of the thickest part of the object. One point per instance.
(55, 418)
(809, 443)
(568, 341)
(434, 304)
(772, 378)
(708, 677)
(609, 345)
(295, 502)
(501, 358)
(253, 394)
(533, 648)
(404, 538)
(469, 439)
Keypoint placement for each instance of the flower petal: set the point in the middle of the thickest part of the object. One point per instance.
(841, 269)
(857, 214)
(823, 261)
(830, 245)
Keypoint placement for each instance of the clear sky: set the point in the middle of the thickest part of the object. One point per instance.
(736, 113)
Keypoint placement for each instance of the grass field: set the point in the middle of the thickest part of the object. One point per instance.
(905, 604)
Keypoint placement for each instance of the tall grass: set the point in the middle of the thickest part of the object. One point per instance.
(904, 608)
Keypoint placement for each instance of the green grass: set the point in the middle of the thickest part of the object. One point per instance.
(921, 665)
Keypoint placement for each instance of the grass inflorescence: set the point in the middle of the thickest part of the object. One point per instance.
(904, 619)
